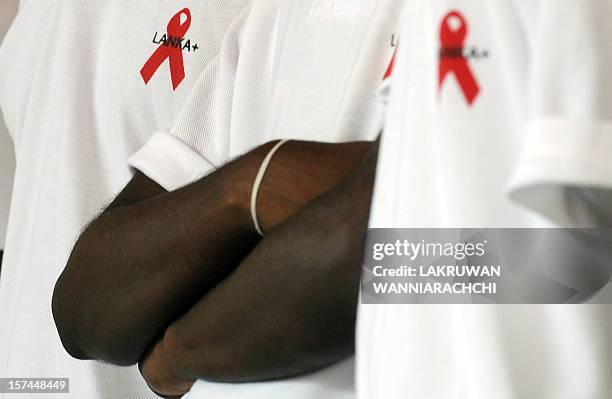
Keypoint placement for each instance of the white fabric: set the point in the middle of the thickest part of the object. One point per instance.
(580, 158)
(206, 115)
(76, 106)
(184, 162)
(8, 9)
(542, 116)
(300, 70)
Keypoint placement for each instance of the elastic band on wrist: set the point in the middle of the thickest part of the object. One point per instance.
(257, 183)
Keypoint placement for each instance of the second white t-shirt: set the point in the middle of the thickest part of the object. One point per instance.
(491, 101)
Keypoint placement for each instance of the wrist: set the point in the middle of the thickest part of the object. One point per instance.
(238, 186)
(235, 199)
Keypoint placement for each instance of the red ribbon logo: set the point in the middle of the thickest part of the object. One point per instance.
(452, 59)
(391, 66)
(174, 54)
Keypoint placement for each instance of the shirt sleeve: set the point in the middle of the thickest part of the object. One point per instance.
(568, 143)
(198, 141)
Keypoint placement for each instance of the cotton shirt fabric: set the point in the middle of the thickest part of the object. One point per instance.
(76, 107)
(302, 70)
(502, 155)
(308, 71)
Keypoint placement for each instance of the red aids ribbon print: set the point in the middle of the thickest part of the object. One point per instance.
(452, 60)
(174, 54)
(391, 66)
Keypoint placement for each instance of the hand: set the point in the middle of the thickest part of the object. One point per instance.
(157, 370)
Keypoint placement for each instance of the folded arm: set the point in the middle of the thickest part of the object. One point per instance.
(151, 255)
(288, 309)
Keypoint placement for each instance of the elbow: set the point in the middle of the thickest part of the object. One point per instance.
(84, 333)
(83, 308)
(66, 316)
(84, 320)
(69, 306)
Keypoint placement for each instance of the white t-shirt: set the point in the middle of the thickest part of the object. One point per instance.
(303, 70)
(526, 109)
(311, 74)
(76, 105)
(8, 9)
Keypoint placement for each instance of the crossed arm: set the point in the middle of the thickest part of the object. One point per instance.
(293, 300)
(155, 259)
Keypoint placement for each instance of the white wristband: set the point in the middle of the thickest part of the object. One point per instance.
(258, 180)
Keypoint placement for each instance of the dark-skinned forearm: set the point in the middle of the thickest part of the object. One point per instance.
(151, 254)
(290, 306)
(142, 264)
